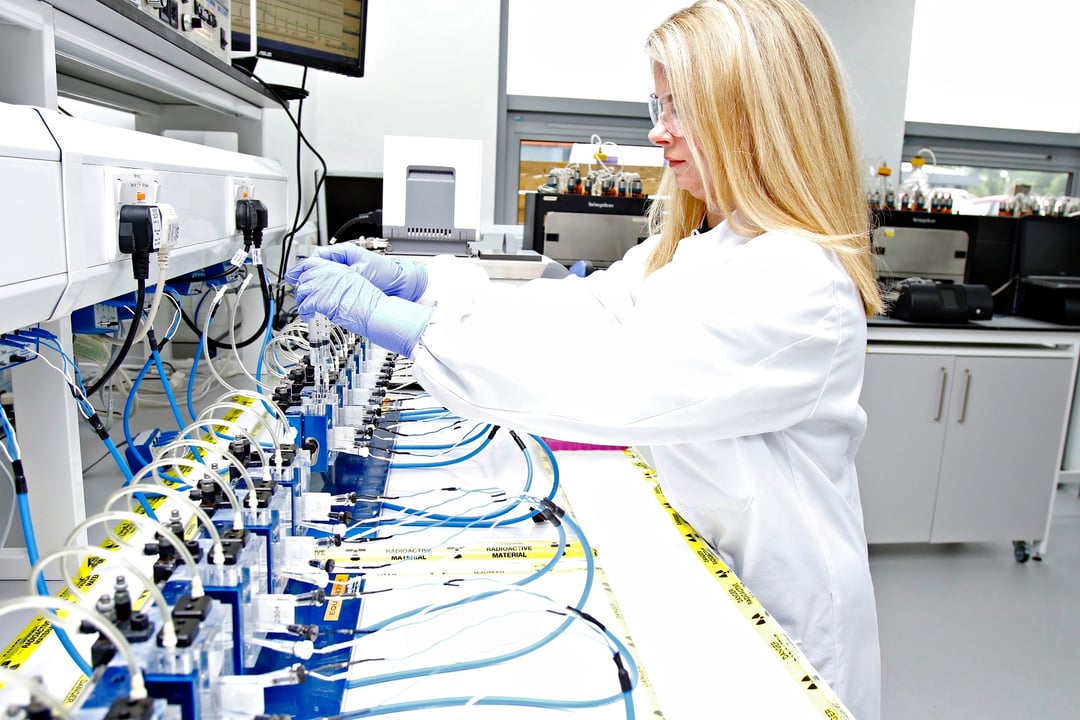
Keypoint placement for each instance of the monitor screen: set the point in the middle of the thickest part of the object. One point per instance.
(1049, 246)
(324, 34)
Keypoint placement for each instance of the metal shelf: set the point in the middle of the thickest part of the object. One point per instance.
(111, 45)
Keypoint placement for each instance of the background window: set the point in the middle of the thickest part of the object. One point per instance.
(536, 159)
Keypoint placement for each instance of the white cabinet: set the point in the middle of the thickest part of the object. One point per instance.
(965, 430)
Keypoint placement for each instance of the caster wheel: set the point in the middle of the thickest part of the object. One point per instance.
(1021, 551)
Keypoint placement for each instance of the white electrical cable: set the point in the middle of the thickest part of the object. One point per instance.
(149, 469)
(11, 511)
(180, 442)
(36, 690)
(99, 621)
(207, 417)
(159, 290)
(232, 337)
(168, 630)
(206, 334)
(150, 525)
(226, 401)
(278, 412)
(217, 550)
(303, 345)
(237, 429)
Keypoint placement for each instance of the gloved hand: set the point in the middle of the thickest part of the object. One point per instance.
(394, 276)
(349, 300)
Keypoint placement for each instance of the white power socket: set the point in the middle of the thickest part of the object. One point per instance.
(131, 187)
(238, 188)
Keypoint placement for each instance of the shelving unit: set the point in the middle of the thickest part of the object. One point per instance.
(110, 53)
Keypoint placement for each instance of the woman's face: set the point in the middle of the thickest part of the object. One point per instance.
(676, 151)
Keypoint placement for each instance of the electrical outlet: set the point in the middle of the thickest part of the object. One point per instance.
(238, 188)
(132, 187)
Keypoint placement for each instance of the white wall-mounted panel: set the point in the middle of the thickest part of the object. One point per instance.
(60, 235)
(34, 270)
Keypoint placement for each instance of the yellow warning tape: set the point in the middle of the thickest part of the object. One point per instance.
(767, 628)
(18, 652)
(529, 550)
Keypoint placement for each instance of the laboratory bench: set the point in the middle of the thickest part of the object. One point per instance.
(968, 430)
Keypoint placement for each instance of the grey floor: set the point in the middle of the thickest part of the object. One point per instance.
(966, 631)
(969, 633)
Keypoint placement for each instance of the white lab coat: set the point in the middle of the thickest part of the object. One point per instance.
(738, 365)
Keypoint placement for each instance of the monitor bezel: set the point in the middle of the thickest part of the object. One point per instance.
(295, 54)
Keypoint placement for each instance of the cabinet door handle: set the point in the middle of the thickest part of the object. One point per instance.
(941, 395)
(963, 404)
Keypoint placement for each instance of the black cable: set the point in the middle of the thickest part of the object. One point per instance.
(375, 216)
(118, 359)
(219, 342)
(63, 111)
(288, 238)
(287, 248)
(265, 288)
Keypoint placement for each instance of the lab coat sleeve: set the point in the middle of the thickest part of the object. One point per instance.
(703, 348)
(455, 283)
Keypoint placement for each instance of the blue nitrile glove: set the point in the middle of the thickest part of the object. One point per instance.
(394, 276)
(349, 300)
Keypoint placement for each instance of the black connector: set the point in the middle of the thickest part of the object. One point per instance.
(187, 629)
(252, 218)
(369, 218)
(552, 507)
(186, 607)
(98, 426)
(19, 475)
(128, 709)
(308, 632)
(624, 676)
(140, 235)
(36, 710)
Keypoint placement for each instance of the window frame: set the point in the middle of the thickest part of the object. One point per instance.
(997, 147)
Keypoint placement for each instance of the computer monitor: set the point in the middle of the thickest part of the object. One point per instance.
(1048, 246)
(345, 197)
(327, 35)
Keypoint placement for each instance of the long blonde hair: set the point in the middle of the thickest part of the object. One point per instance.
(761, 98)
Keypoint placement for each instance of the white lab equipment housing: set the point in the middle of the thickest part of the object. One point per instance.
(431, 193)
(62, 182)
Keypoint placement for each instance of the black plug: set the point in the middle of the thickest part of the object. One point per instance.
(252, 218)
(140, 235)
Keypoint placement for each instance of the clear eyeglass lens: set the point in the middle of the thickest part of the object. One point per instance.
(654, 109)
(663, 109)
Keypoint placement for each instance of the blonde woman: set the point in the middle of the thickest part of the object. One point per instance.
(729, 345)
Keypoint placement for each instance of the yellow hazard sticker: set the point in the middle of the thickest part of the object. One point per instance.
(19, 650)
(767, 628)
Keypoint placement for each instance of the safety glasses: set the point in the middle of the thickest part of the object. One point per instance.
(662, 109)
